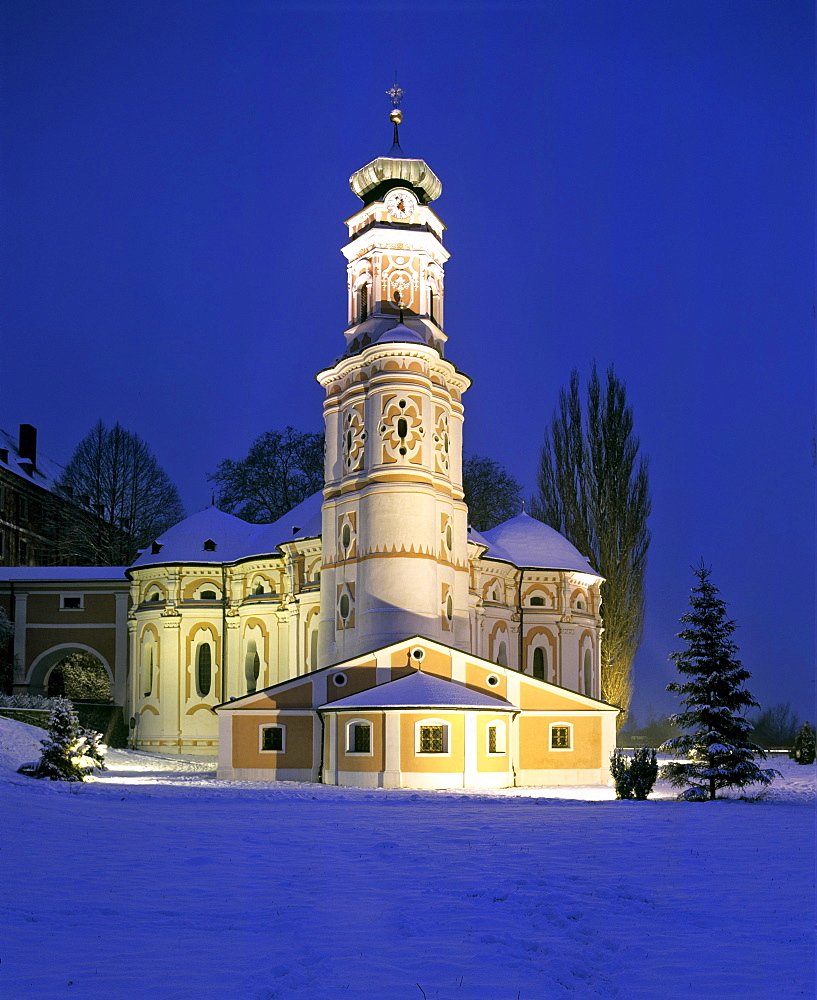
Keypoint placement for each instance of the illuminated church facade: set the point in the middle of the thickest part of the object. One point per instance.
(370, 637)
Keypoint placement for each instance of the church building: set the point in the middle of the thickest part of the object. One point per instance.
(369, 637)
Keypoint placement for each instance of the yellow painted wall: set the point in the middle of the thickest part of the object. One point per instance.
(492, 762)
(476, 677)
(533, 696)
(357, 679)
(534, 742)
(45, 609)
(298, 751)
(354, 762)
(409, 761)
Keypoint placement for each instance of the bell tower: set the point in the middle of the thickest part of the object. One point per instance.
(394, 529)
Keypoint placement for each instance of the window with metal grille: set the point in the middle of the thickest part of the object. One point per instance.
(492, 739)
(560, 737)
(432, 739)
(272, 738)
(361, 738)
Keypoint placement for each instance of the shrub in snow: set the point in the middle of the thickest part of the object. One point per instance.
(70, 752)
(634, 776)
(718, 753)
(803, 750)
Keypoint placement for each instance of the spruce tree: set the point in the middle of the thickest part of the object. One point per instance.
(803, 750)
(718, 751)
(70, 752)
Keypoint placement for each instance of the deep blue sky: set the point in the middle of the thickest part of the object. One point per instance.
(630, 182)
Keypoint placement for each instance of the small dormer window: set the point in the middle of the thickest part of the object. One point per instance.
(537, 602)
(156, 548)
(155, 596)
(209, 545)
(259, 588)
(208, 595)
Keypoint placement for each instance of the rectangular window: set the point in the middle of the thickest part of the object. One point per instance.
(23, 501)
(71, 602)
(363, 306)
(361, 739)
(23, 553)
(492, 739)
(272, 738)
(432, 739)
(560, 737)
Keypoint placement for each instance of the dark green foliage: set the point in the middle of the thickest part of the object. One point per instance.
(803, 750)
(634, 776)
(593, 488)
(70, 752)
(718, 751)
(80, 677)
(280, 470)
(491, 492)
(775, 728)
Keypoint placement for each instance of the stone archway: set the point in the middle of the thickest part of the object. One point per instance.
(43, 667)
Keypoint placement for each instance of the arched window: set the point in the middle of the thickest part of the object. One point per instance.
(431, 736)
(362, 302)
(540, 663)
(495, 737)
(313, 649)
(147, 669)
(203, 669)
(208, 595)
(588, 673)
(259, 588)
(358, 737)
(252, 666)
(502, 655)
(537, 602)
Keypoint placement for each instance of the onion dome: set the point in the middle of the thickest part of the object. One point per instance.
(399, 334)
(395, 169)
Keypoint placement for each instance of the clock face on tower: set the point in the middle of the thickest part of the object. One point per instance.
(400, 204)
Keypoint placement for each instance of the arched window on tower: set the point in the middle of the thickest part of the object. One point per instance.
(252, 666)
(588, 673)
(502, 655)
(203, 669)
(432, 305)
(540, 663)
(362, 302)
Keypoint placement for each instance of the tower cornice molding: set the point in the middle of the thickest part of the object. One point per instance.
(388, 352)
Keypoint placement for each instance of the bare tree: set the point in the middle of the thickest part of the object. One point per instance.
(120, 498)
(594, 489)
(280, 470)
(491, 492)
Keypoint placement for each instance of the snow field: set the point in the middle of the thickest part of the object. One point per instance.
(156, 881)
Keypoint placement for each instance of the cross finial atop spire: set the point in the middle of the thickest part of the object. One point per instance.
(396, 93)
(396, 115)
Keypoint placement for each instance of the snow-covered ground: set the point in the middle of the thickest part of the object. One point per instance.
(157, 881)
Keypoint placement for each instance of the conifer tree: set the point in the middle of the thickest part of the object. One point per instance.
(803, 750)
(718, 751)
(70, 752)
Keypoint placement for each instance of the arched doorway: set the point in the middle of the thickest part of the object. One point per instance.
(80, 676)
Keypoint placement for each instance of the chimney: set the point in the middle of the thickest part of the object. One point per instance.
(27, 448)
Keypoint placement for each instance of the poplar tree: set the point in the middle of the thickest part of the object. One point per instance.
(718, 751)
(593, 487)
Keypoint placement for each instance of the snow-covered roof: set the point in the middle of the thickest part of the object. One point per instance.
(229, 538)
(303, 521)
(420, 690)
(525, 541)
(45, 473)
(66, 573)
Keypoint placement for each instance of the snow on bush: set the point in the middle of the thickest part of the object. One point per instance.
(69, 752)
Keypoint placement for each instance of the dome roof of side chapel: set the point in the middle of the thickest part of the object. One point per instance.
(229, 538)
(525, 541)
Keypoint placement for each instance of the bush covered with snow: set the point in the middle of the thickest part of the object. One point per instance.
(69, 752)
(803, 750)
(634, 776)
